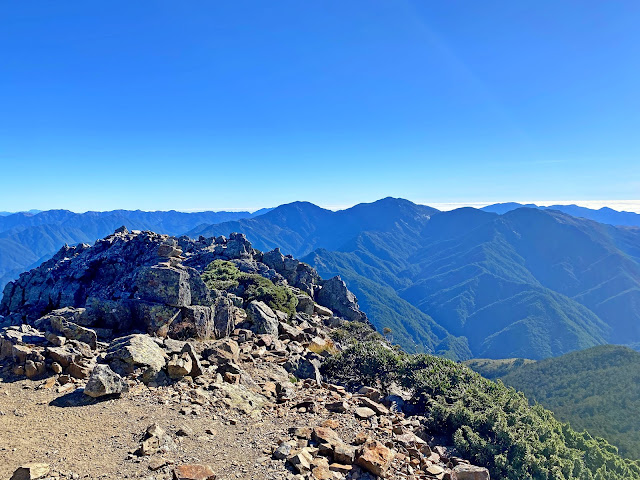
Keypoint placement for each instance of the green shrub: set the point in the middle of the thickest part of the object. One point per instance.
(224, 275)
(353, 332)
(489, 424)
(221, 275)
(262, 289)
(365, 363)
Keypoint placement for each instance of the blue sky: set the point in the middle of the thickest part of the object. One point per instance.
(218, 105)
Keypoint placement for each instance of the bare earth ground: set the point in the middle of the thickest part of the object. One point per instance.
(93, 439)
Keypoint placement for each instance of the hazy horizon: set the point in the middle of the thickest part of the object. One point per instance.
(619, 205)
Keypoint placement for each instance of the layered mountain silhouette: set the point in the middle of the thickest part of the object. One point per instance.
(27, 239)
(602, 215)
(529, 282)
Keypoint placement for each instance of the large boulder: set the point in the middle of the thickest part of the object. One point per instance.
(126, 354)
(336, 296)
(227, 316)
(156, 317)
(262, 318)
(72, 331)
(104, 381)
(196, 321)
(304, 367)
(164, 284)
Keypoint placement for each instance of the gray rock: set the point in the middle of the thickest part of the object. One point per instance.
(104, 381)
(305, 304)
(197, 321)
(196, 366)
(179, 366)
(303, 367)
(335, 295)
(72, 331)
(156, 317)
(136, 351)
(262, 318)
(163, 284)
(282, 451)
(464, 471)
(227, 316)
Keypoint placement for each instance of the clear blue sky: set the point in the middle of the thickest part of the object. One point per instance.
(212, 104)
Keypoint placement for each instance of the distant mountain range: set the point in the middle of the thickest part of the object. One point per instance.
(27, 239)
(466, 283)
(603, 215)
(594, 389)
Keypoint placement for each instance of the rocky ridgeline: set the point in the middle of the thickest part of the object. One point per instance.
(131, 316)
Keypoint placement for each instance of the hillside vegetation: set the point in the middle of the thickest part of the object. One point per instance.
(597, 389)
(487, 422)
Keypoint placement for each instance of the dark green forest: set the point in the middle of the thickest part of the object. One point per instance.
(597, 389)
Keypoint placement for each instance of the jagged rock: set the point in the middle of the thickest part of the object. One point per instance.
(344, 453)
(262, 318)
(375, 406)
(335, 295)
(305, 304)
(435, 470)
(326, 435)
(70, 352)
(227, 316)
(179, 366)
(156, 317)
(104, 381)
(193, 472)
(225, 349)
(196, 321)
(135, 351)
(196, 366)
(375, 458)
(301, 461)
(163, 284)
(322, 311)
(72, 331)
(291, 332)
(464, 471)
(55, 340)
(31, 471)
(282, 452)
(20, 353)
(303, 367)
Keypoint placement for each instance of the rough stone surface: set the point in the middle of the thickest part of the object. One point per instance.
(31, 471)
(464, 471)
(335, 295)
(135, 351)
(193, 472)
(104, 381)
(262, 318)
(375, 458)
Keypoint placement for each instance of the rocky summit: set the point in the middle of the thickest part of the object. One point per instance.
(150, 356)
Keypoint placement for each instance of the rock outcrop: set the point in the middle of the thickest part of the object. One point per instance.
(133, 309)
